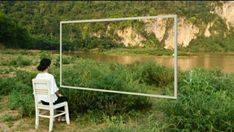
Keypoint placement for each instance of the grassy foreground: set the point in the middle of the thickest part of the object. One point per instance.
(205, 99)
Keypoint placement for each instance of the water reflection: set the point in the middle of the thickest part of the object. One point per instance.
(207, 61)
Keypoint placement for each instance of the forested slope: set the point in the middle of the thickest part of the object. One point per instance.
(41, 20)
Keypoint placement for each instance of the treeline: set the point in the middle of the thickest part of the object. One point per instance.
(15, 35)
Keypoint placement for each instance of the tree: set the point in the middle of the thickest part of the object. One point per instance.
(12, 35)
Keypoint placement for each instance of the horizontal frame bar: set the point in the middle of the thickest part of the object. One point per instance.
(119, 92)
(118, 19)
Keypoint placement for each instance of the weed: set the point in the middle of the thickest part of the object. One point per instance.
(7, 118)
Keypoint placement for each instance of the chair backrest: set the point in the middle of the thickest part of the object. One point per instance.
(41, 87)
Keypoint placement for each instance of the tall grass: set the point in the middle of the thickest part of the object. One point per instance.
(205, 102)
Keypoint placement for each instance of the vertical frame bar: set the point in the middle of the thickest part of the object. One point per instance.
(175, 57)
(60, 55)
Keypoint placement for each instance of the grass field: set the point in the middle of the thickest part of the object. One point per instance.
(205, 99)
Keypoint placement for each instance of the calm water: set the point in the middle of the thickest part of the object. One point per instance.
(207, 61)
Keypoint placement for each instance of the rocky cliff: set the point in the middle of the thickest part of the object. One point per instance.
(187, 31)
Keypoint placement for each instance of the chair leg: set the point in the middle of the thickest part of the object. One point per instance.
(67, 114)
(37, 119)
(51, 120)
(51, 124)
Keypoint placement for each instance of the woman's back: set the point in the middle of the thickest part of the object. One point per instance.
(53, 86)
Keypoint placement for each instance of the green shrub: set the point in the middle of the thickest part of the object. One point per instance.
(205, 102)
(152, 74)
(87, 73)
(65, 60)
(23, 61)
(22, 102)
(19, 61)
(45, 54)
(22, 82)
(25, 77)
(7, 85)
(20, 92)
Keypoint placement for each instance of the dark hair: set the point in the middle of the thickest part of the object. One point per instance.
(45, 62)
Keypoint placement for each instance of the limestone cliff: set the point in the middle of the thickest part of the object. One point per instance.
(129, 37)
(186, 32)
(226, 11)
(163, 30)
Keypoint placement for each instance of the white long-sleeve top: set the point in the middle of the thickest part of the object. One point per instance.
(53, 86)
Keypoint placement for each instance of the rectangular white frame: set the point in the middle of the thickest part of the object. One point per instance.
(175, 29)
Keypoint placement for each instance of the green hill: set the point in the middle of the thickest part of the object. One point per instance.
(41, 20)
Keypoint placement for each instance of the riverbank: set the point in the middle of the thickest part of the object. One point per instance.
(152, 52)
(121, 51)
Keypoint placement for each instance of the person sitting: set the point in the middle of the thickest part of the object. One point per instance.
(44, 67)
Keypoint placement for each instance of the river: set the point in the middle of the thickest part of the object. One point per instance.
(207, 61)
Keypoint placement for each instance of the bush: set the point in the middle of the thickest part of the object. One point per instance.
(205, 102)
(19, 61)
(22, 102)
(44, 54)
(152, 74)
(7, 85)
(21, 96)
(25, 77)
(22, 83)
(20, 92)
(65, 60)
(109, 76)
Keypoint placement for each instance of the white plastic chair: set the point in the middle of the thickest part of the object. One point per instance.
(42, 87)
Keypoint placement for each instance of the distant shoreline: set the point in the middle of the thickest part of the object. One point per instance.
(122, 51)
